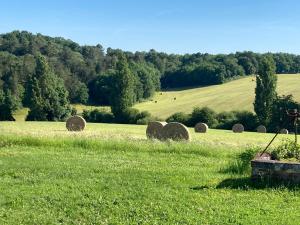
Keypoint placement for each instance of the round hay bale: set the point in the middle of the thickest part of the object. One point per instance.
(201, 128)
(75, 123)
(155, 130)
(261, 129)
(176, 131)
(238, 128)
(284, 131)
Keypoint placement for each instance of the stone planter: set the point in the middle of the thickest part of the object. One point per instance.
(265, 169)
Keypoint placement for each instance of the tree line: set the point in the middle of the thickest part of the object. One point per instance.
(89, 74)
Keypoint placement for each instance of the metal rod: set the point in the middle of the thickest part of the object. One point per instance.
(296, 132)
(270, 142)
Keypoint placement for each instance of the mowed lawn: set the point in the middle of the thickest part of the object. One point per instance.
(234, 95)
(111, 174)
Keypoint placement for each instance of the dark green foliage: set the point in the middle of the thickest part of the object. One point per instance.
(100, 88)
(11, 91)
(248, 119)
(128, 116)
(265, 91)
(133, 116)
(241, 165)
(122, 96)
(47, 96)
(280, 118)
(180, 117)
(204, 115)
(73, 111)
(78, 91)
(147, 80)
(226, 120)
(249, 62)
(223, 120)
(97, 116)
(8, 104)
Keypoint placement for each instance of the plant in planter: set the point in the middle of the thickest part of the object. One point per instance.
(287, 151)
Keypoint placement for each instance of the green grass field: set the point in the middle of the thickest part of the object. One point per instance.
(110, 174)
(234, 95)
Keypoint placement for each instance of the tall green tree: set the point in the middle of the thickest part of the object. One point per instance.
(11, 92)
(122, 96)
(8, 104)
(265, 91)
(48, 98)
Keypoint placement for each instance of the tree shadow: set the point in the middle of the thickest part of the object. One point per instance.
(246, 183)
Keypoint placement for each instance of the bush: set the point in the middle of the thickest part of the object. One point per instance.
(248, 119)
(73, 111)
(180, 117)
(132, 116)
(226, 120)
(287, 150)
(129, 116)
(97, 116)
(203, 115)
(242, 165)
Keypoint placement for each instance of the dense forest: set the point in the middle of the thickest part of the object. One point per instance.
(89, 72)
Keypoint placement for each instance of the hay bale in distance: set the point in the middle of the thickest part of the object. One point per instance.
(76, 123)
(261, 129)
(238, 128)
(201, 128)
(284, 131)
(155, 130)
(176, 131)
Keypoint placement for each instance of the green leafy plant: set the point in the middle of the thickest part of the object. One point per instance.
(288, 150)
(241, 165)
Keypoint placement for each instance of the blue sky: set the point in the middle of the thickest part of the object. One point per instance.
(186, 26)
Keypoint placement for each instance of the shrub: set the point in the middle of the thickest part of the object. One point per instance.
(226, 120)
(287, 150)
(73, 111)
(241, 164)
(97, 116)
(203, 115)
(248, 119)
(180, 117)
(129, 116)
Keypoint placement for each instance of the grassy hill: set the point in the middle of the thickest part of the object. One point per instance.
(110, 174)
(234, 95)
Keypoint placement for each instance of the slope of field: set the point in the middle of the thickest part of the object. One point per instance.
(234, 95)
(109, 174)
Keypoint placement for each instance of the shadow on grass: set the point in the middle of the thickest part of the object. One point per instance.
(246, 183)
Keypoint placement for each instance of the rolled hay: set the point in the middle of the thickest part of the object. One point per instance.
(284, 131)
(201, 128)
(238, 128)
(155, 130)
(76, 123)
(176, 131)
(261, 129)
